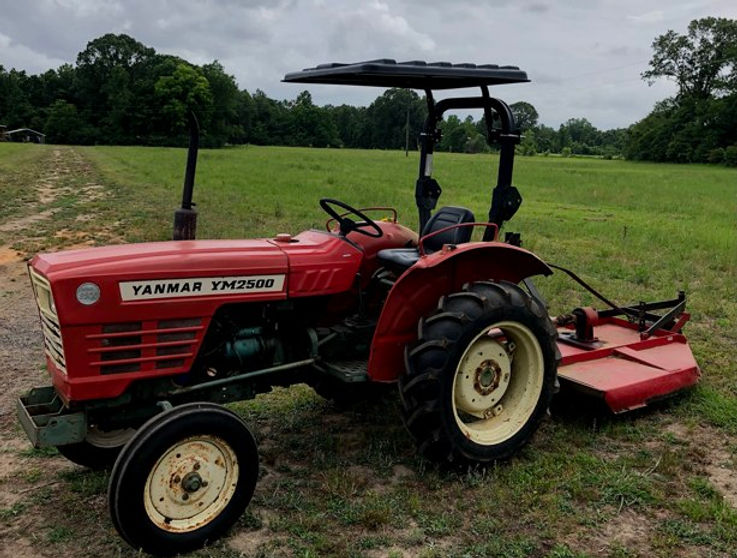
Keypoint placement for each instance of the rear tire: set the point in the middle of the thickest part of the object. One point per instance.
(481, 375)
(184, 479)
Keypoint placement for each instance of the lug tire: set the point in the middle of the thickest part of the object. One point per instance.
(436, 391)
(151, 506)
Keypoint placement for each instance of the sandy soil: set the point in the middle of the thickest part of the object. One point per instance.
(21, 355)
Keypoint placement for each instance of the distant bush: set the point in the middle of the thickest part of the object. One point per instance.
(566, 152)
(730, 156)
(715, 156)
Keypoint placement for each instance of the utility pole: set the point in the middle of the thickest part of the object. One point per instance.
(406, 134)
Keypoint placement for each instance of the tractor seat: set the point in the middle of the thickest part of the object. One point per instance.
(400, 259)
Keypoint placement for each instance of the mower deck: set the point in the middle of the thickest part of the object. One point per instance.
(625, 369)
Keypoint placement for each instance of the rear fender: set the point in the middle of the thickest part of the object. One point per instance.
(418, 290)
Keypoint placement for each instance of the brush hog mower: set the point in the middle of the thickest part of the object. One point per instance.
(146, 342)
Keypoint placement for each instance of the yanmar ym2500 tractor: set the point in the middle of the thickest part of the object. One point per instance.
(145, 342)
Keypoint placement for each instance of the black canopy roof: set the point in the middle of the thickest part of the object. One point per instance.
(414, 74)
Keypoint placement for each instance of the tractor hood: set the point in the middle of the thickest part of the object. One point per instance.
(162, 259)
(192, 277)
(169, 278)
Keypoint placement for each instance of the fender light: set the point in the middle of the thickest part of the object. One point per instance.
(88, 293)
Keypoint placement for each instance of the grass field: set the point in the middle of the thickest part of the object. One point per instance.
(656, 483)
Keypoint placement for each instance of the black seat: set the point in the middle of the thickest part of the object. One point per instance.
(399, 259)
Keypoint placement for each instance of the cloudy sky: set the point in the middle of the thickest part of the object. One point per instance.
(584, 56)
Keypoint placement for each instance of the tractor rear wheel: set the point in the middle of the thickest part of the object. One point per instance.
(481, 375)
(184, 479)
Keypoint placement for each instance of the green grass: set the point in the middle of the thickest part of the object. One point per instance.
(20, 168)
(350, 484)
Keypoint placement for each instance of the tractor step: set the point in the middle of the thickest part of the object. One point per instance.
(624, 368)
(349, 371)
(46, 421)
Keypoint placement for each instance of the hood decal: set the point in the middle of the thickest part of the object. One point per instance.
(200, 286)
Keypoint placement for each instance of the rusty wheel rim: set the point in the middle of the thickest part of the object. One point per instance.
(191, 484)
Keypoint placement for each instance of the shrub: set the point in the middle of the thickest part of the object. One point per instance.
(730, 156)
(716, 155)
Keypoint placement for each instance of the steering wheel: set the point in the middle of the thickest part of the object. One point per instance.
(346, 225)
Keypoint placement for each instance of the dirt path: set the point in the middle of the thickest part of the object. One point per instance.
(24, 474)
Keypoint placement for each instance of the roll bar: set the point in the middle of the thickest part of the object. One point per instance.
(505, 199)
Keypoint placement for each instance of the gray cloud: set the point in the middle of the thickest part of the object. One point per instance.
(584, 56)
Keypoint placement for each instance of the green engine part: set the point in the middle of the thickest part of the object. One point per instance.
(250, 349)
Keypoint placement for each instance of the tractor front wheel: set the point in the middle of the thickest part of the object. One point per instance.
(184, 479)
(480, 378)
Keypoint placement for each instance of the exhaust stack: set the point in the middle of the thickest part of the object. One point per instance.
(185, 218)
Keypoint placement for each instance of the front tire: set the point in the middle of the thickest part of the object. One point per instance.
(183, 479)
(481, 375)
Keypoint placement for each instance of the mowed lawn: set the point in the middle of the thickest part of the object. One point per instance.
(350, 483)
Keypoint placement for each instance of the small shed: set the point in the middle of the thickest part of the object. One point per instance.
(26, 135)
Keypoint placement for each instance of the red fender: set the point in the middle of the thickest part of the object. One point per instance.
(419, 288)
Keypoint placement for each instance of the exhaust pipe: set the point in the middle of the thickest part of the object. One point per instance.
(185, 218)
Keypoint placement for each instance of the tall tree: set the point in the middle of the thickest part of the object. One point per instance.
(702, 62)
(386, 119)
(525, 115)
(223, 123)
(185, 90)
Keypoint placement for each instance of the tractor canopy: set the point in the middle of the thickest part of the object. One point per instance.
(414, 74)
(428, 76)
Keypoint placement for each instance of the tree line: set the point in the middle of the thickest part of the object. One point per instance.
(120, 92)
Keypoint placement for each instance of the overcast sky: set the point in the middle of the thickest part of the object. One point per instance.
(584, 56)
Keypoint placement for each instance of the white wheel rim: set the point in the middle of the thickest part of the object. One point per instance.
(191, 484)
(108, 438)
(498, 383)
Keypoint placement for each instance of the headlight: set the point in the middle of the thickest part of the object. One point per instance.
(88, 293)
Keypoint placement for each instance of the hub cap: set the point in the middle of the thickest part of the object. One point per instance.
(191, 484)
(498, 383)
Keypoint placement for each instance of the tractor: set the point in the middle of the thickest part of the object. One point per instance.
(145, 343)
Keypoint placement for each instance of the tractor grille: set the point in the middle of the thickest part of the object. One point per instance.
(141, 346)
(53, 345)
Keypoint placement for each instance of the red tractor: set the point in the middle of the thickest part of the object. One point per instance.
(145, 342)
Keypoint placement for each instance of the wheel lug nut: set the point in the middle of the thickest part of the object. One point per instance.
(177, 479)
(185, 496)
(196, 466)
(204, 483)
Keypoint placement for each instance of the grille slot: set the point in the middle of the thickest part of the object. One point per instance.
(171, 363)
(119, 368)
(139, 346)
(53, 345)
